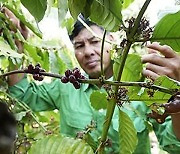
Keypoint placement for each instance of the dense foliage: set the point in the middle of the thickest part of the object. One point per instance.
(32, 127)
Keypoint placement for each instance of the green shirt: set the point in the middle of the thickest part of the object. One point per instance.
(76, 113)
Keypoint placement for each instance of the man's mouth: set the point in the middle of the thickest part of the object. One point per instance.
(92, 63)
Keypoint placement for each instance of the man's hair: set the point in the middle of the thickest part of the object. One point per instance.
(78, 26)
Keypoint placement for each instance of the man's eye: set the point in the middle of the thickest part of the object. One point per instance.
(78, 46)
(95, 41)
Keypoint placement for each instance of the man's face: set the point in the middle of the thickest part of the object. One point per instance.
(88, 52)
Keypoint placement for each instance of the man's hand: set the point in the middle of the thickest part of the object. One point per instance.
(13, 79)
(161, 60)
(19, 25)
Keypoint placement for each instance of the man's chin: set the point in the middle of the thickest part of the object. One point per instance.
(94, 74)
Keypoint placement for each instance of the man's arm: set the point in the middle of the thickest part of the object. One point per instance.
(13, 79)
(165, 63)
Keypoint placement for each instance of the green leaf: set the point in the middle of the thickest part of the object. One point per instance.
(158, 97)
(36, 7)
(90, 140)
(38, 55)
(98, 100)
(87, 8)
(126, 3)
(127, 134)
(76, 7)
(3, 1)
(23, 19)
(6, 50)
(20, 115)
(62, 10)
(167, 31)
(67, 57)
(4, 63)
(104, 13)
(133, 68)
(57, 64)
(46, 116)
(68, 23)
(60, 144)
(107, 13)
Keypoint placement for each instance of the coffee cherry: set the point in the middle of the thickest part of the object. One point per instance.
(36, 70)
(38, 65)
(82, 77)
(72, 78)
(40, 78)
(36, 76)
(64, 79)
(76, 84)
(68, 73)
(30, 67)
(77, 73)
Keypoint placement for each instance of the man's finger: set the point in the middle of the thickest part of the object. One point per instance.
(150, 74)
(164, 50)
(154, 59)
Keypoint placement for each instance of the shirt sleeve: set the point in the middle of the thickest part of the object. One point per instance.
(39, 97)
(166, 136)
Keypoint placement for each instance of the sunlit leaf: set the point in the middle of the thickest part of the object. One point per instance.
(127, 134)
(98, 100)
(37, 55)
(132, 70)
(62, 10)
(4, 62)
(36, 7)
(76, 7)
(158, 97)
(107, 13)
(60, 144)
(20, 115)
(56, 63)
(24, 20)
(167, 31)
(68, 57)
(126, 3)
(6, 50)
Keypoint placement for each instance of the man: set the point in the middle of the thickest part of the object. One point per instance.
(74, 105)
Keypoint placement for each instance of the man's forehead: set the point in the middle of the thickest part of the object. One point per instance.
(85, 34)
(83, 39)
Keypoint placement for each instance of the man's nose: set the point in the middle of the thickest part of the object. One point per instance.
(88, 50)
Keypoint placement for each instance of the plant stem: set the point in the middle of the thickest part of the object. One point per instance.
(40, 73)
(123, 60)
(110, 110)
(136, 84)
(111, 107)
(102, 49)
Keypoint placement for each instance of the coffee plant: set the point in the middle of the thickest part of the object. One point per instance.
(38, 134)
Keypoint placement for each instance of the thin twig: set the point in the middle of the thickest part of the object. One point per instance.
(92, 32)
(99, 82)
(102, 49)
